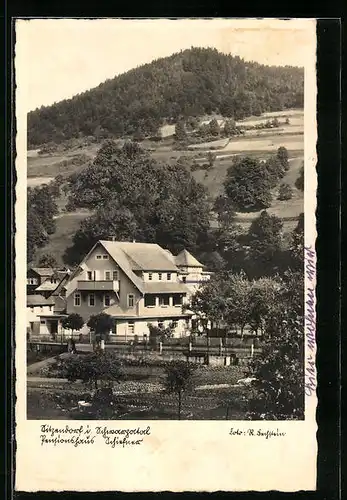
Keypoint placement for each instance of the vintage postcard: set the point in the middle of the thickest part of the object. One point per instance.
(165, 254)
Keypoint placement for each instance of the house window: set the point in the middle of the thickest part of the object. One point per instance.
(168, 276)
(89, 275)
(53, 280)
(174, 323)
(149, 300)
(43, 321)
(131, 327)
(107, 300)
(91, 300)
(32, 281)
(184, 279)
(164, 300)
(160, 324)
(115, 276)
(108, 275)
(50, 308)
(177, 300)
(98, 257)
(160, 276)
(105, 257)
(77, 299)
(114, 328)
(131, 300)
(150, 276)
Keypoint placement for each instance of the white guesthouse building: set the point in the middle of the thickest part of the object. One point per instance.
(136, 284)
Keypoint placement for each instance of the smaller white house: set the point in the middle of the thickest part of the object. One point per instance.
(41, 317)
(38, 305)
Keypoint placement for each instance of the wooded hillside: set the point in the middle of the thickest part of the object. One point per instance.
(190, 83)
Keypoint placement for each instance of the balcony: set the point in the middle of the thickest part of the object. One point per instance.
(98, 285)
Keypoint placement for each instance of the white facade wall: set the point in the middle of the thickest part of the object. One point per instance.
(140, 327)
(159, 277)
(34, 311)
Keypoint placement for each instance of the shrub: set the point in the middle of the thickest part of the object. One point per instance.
(285, 192)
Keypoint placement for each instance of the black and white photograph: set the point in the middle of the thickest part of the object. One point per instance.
(165, 222)
(165, 254)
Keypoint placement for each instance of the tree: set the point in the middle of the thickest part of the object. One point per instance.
(48, 260)
(110, 221)
(37, 236)
(95, 369)
(134, 197)
(227, 107)
(101, 324)
(42, 208)
(275, 122)
(159, 334)
(285, 192)
(297, 244)
(282, 156)
(274, 170)
(300, 183)
(73, 322)
(279, 368)
(264, 241)
(247, 185)
(262, 302)
(204, 130)
(180, 132)
(179, 380)
(210, 301)
(229, 128)
(211, 158)
(214, 127)
(239, 303)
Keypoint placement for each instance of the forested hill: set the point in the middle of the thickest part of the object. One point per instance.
(193, 82)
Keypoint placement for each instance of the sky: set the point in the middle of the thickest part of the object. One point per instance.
(56, 59)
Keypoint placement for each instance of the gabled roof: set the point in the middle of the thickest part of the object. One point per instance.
(186, 259)
(47, 286)
(133, 257)
(143, 256)
(42, 271)
(123, 262)
(39, 300)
